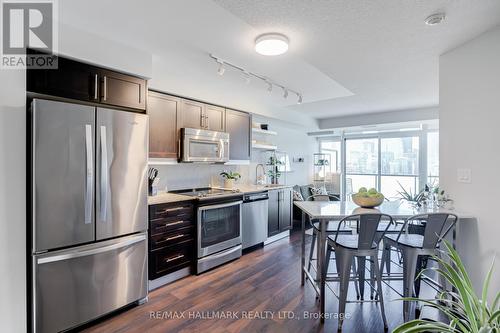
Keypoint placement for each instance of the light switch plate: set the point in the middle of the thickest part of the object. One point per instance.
(464, 176)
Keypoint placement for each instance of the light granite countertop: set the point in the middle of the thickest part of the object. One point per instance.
(166, 197)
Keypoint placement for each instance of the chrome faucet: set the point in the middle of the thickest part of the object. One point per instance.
(260, 180)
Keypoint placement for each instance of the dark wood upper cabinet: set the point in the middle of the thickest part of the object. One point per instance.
(238, 126)
(72, 79)
(123, 90)
(203, 116)
(215, 118)
(192, 114)
(163, 113)
(84, 82)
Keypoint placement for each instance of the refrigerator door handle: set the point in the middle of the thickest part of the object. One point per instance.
(88, 174)
(85, 253)
(104, 174)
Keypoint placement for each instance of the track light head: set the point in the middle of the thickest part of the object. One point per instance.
(299, 100)
(269, 86)
(247, 77)
(221, 68)
(285, 92)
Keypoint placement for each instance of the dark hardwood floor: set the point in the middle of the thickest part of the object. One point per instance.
(264, 282)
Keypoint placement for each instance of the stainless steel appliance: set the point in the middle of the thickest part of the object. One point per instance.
(89, 212)
(218, 226)
(254, 219)
(204, 146)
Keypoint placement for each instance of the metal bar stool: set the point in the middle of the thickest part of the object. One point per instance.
(332, 228)
(413, 243)
(382, 229)
(362, 245)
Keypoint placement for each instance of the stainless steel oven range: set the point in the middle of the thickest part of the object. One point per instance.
(219, 226)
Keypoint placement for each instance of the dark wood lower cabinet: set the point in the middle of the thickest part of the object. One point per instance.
(172, 235)
(279, 211)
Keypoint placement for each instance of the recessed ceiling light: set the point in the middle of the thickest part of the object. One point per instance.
(435, 19)
(271, 44)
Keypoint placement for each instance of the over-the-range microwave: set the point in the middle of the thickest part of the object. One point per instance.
(199, 145)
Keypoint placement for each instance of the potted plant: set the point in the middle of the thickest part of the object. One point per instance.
(416, 199)
(229, 178)
(274, 172)
(465, 310)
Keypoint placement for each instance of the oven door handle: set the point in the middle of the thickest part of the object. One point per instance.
(229, 204)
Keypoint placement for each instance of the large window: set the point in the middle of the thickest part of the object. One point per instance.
(387, 161)
(433, 158)
(399, 164)
(361, 166)
(333, 149)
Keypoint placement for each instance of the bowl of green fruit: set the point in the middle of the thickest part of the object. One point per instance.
(368, 198)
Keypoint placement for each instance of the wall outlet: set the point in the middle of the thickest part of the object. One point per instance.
(464, 176)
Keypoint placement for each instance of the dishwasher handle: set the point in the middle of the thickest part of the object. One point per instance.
(255, 197)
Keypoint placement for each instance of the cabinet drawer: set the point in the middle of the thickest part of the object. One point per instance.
(170, 259)
(159, 226)
(168, 239)
(181, 212)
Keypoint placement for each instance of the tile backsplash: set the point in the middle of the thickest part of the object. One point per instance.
(191, 175)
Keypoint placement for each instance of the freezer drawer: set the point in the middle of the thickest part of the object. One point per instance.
(74, 286)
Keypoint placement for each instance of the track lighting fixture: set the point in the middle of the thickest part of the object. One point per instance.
(223, 65)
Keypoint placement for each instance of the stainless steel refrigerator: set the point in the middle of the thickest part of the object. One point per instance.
(89, 212)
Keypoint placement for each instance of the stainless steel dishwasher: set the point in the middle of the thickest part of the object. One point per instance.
(254, 219)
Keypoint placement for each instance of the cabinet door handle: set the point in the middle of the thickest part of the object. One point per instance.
(202, 122)
(207, 122)
(175, 258)
(105, 88)
(96, 84)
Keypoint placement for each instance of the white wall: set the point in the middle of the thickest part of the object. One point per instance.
(12, 201)
(469, 118)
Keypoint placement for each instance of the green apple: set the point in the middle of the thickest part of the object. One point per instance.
(372, 191)
(362, 190)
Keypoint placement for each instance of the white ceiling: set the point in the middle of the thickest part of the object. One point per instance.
(346, 56)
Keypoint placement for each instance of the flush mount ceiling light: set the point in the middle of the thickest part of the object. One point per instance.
(435, 19)
(271, 44)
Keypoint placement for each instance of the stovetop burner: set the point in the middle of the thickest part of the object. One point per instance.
(205, 192)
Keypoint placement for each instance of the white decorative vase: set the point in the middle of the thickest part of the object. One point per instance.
(228, 183)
